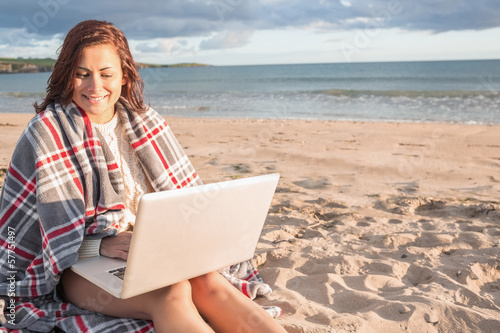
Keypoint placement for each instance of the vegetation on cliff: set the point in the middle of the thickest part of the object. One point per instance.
(37, 65)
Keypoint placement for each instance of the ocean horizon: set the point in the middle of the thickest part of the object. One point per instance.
(458, 91)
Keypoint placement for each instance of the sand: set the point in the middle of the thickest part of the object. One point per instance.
(375, 227)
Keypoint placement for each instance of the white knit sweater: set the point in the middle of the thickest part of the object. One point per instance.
(134, 179)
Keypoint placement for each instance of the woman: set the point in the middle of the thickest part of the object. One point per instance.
(71, 191)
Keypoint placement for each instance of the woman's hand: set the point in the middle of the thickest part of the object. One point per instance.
(116, 246)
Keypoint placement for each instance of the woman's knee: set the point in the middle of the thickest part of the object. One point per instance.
(179, 292)
(209, 285)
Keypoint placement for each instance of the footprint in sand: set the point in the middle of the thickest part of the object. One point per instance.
(313, 184)
(240, 168)
(326, 203)
(405, 205)
(432, 317)
(383, 283)
(417, 275)
(427, 225)
(433, 240)
(408, 188)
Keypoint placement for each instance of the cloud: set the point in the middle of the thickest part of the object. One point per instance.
(427, 15)
(150, 19)
(138, 19)
(164, 46)
(346, 3)
(227, 40)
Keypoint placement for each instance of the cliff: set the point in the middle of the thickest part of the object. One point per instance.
(36, 65)
(19, 65)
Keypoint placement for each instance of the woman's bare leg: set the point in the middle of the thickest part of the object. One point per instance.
(171, 309)
(227, 310)
(177, 308)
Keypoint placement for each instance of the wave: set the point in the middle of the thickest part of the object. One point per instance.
(411, 93)
(19, 94)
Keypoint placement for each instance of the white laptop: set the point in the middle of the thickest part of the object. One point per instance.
(184, 233)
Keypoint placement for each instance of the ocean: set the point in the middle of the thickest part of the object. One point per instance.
(428, 91)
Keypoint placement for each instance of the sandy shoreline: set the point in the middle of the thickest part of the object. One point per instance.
(375, 227)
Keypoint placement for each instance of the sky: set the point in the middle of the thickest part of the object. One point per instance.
(255, 32)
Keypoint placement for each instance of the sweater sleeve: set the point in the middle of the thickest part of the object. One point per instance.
(89, 248)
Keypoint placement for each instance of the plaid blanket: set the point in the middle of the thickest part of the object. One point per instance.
(63, 185)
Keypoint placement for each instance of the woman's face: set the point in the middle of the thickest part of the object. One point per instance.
(98, 82)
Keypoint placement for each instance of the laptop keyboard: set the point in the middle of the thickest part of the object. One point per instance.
(118, 272)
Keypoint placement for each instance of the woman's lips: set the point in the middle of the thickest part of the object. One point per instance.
(95, 99)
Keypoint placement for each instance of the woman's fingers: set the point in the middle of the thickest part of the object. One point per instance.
(116, 246)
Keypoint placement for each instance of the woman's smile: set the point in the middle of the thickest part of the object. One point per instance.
(95, 100)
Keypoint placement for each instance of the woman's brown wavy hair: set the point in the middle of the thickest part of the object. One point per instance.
(60, 85)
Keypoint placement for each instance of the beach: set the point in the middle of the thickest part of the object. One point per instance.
(375, 226)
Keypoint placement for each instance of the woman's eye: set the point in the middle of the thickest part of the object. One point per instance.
(81, 75)
(106, 75)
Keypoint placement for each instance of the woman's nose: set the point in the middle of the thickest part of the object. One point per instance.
(95, 84)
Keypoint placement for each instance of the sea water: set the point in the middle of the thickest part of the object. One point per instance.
(430, 91)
